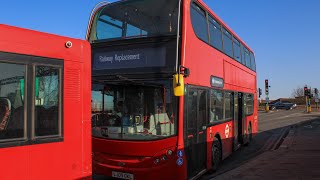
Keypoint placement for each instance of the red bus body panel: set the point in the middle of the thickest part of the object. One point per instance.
(137, 158)
(70, 158)
(203, 61)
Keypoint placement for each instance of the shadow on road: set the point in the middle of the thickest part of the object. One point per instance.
(272, 131)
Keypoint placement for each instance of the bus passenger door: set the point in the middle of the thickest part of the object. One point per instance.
(240, 119)
(236, 142)
(196, 121)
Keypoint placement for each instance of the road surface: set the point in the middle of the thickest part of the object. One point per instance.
(273, 127)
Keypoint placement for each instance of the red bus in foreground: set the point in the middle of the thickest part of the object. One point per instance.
(45, 85)
(173, 89)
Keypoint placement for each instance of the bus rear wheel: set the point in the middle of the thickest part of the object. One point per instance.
(216, 154)
(250, 133)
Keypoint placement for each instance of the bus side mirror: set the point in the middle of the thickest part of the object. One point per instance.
(178, 85)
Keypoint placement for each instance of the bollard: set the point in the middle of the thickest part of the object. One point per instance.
(309, 106)
(267, 108)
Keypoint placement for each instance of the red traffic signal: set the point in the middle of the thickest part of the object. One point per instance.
(266, 82)
(267, 86)
(306, 91)
(260, 92)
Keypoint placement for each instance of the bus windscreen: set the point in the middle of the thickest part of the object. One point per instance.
(133, 112)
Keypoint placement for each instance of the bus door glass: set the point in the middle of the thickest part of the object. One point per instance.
(196, 130)
(241, 117)
(236, 121)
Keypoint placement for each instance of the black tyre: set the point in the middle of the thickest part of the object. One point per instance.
(216, 154)
(248, 136)
(250, 133)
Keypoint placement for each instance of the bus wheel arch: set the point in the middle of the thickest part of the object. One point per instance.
(216, 151)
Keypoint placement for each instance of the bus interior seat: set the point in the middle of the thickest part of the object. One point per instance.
(46, 120)
(5, 112)
(160, 124)
(16, 124)
(17, 118)
(40, 116)
(53, 118)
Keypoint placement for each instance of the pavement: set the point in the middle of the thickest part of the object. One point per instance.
(296, 157)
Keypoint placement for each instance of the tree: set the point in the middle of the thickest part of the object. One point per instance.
(48, 85)
(298, 92)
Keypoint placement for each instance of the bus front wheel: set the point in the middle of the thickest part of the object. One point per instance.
(216, 154)
(249, 135)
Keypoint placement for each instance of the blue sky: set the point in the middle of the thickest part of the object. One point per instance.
(284, 34)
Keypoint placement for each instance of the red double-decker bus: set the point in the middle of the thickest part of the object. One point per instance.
(173, 91)
(45, 86)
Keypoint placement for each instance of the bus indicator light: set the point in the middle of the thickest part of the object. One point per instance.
(164, 157)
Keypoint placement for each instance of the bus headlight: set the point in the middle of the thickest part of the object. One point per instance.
(164, 157)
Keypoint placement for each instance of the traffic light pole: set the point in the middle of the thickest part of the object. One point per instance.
(316, 97)
(308, 95)
(267, 94)
(309, 105)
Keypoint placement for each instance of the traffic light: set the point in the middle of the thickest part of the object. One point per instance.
(316, 91)
(266, 83)
(309, 93)
(306, 91)
(260, 92)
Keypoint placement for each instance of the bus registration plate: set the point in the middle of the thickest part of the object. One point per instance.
(122, 175)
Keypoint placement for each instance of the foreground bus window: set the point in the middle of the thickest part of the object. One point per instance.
(217, 105)
(47, 101)
(11, 101)
(133, 112)
(249, 106)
